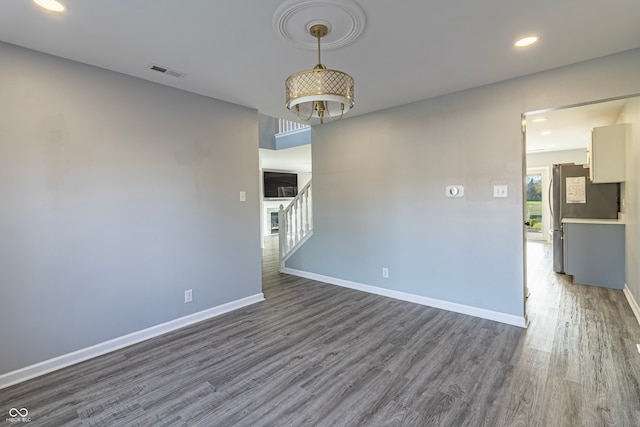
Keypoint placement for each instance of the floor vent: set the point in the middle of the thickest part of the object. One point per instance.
(166, 71)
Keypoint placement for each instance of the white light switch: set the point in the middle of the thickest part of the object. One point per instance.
(243, 196)
(499, 191)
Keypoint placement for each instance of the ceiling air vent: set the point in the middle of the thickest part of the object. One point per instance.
(166, 71)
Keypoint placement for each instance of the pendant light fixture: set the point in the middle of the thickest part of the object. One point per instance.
(320, 92)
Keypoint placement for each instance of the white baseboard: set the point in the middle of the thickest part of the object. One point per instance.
(69, 359)
(632, 302)
(509, 319)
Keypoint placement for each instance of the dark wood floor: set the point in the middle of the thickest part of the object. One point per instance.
(316, 354)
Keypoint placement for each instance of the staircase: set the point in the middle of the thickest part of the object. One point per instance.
(295, 223)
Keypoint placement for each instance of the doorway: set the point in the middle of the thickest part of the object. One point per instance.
(537, 204)
(558, 136)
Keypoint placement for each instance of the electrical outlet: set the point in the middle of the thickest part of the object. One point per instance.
(188, 295)
(385, 272)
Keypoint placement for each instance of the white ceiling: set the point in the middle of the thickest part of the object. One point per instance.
(569, 128)
(296, 159)
(408, 50)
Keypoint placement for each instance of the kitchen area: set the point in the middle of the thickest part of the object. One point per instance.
(583, 215)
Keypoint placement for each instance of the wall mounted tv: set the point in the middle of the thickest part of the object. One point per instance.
(280, 184)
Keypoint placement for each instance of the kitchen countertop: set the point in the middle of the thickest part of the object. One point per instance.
(592, 221)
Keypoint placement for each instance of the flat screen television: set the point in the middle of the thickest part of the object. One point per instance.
(280, 184)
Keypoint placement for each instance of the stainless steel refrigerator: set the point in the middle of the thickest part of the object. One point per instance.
(572, 195)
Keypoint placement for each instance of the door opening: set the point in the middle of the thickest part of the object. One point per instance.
(552, 137)
(537, 204)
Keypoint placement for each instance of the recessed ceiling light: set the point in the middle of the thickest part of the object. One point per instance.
(526, 41)
(52, 5)
(539, 120)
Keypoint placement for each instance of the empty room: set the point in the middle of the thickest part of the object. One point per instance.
(319, 212)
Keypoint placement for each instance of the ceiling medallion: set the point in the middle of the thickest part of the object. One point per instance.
(344, 19)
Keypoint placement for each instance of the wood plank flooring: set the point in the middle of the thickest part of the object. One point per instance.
(314, 354)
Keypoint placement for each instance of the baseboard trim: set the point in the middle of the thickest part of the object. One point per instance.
(482, 313)
(632, 302)
(47, 366)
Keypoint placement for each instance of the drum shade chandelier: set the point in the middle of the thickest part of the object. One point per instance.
(320, 92)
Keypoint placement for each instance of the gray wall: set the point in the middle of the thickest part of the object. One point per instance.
(294, 139)
(116, 195)
(268, 127)
(379, 184)
(631, 187)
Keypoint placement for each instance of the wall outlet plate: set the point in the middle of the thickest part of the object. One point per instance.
(385, 272)
(188, 295)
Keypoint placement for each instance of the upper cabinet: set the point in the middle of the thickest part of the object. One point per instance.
(606, 154)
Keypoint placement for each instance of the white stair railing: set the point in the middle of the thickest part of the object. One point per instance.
(286, 126)
(295, 223)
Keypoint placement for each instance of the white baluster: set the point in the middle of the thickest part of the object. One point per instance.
(302, 220)
(290, 230)
(295, 222)
(294, 208)
(310, 195)
(282, 233)
(303, 215)
(306, 211)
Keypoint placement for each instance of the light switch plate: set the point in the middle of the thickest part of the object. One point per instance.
(500, 191)
(243, 196)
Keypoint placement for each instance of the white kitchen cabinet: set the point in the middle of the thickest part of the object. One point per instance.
(606, 154)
